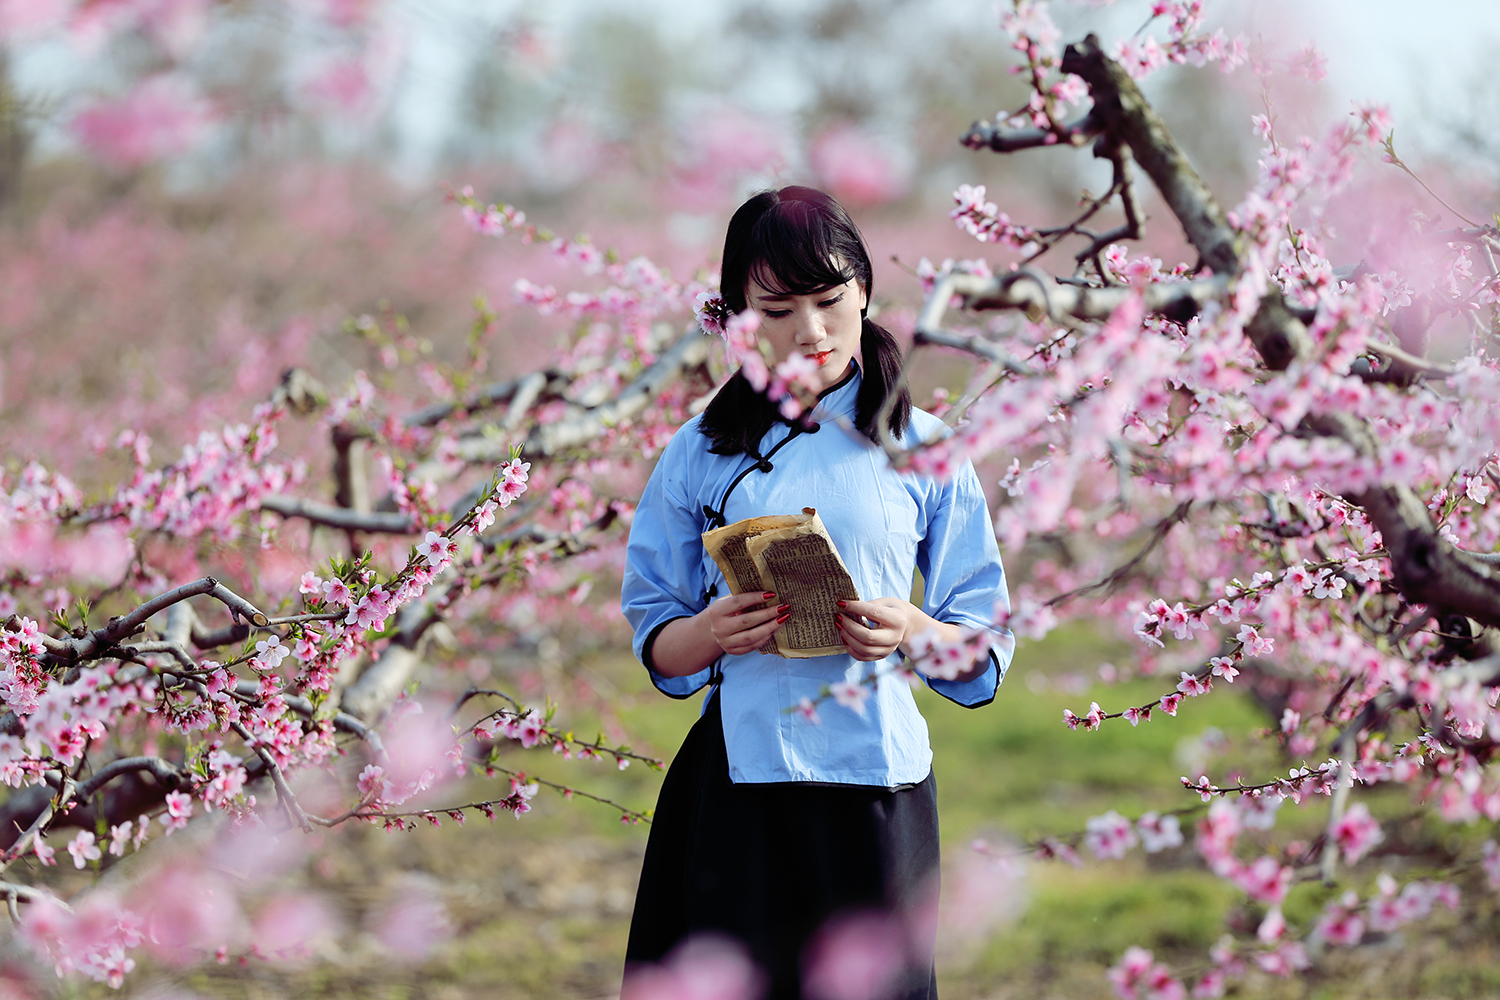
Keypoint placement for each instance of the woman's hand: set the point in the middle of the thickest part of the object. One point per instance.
(872, 630)
(739, 624)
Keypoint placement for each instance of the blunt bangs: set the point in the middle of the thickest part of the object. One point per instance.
(796, 241)
(795, 256)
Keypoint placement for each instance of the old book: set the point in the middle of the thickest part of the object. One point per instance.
(792, 555)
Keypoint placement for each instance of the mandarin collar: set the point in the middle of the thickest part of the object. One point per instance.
(840, 399)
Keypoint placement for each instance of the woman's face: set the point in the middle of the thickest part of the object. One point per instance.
(824, 326)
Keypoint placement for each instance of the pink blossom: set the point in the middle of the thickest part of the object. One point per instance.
(1340, 922)
(484, 515)
(1490, 861)
(1289, 957)
(850, 694)
(1254, 644)
(1051, 848)
(119, 836)
(711, 313)
(179, 811)
(515, 470)
(83, 849)
(1109, 835)
(1137, 976)
(1272, 926)
(855, 957)
(1192, 685)
(1210, 985)
(413, 923)
(1202, 786)
(338, 592)
(1223, 666)
(438, 550)
(714, 968)
(1265, 879)
(269, 652)
(162, 116)
(1357, 832)
(1158, 832)
(372, 784)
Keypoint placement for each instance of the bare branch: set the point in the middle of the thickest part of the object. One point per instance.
(1119, 156)
(1036, 295)
(1122, 110)
(166, 772)
(14, 891)
(1159, 532)
(344, 518)
(528, 388)
(690, 350)
(986, 135)
(171, 648)
(96, 642)
(213, 639)
(1411, 362)
(547, 539)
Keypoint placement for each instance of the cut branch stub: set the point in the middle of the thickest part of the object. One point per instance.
(1123, 111)
(1278, 335)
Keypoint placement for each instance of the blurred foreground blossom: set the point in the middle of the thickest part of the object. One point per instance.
(413, 923)
(701, 968)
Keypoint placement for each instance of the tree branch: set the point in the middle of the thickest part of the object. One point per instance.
(1122, 110)
(344, 518)
(986, 135)
(165, 771)
(1037, 295)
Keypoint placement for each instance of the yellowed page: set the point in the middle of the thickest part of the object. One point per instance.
(806, 572)
(726, 546)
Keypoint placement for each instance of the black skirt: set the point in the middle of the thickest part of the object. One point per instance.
(771, 864)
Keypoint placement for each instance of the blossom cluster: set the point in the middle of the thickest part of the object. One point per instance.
(984, 221)
(1142, 55)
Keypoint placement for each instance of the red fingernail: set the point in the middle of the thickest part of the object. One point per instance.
(838, 623)
(782, 619)
(842, 604)
(785, 607)
(767, 596)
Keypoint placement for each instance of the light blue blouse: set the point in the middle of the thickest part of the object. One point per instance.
(884, 524)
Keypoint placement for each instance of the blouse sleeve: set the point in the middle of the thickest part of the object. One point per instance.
(963, 580)
(664, 578)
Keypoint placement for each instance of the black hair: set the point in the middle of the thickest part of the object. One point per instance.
(797, 241)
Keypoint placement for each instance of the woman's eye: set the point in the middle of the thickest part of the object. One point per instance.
(826, 303)
(776, 313)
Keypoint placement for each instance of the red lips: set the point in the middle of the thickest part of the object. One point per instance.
(822, 357)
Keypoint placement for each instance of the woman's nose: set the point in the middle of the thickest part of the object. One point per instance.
(809, 328)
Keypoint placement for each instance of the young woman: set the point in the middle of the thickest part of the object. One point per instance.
(771, 824)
